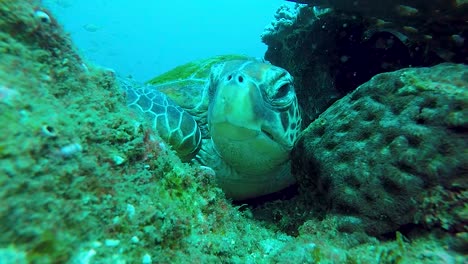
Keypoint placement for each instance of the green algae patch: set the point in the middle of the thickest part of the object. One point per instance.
(199, 69)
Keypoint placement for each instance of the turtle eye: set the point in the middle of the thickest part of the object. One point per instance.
(283, 96)
(282, 91)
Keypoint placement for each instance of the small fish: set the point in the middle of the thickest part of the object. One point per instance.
(91, 27)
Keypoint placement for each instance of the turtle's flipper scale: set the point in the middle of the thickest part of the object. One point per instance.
(173, 124)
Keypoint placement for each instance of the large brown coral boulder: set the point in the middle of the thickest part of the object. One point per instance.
(381, 152)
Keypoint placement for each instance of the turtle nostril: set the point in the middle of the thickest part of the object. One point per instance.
(240, 78)
(229, 77)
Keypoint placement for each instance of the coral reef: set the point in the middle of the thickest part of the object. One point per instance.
(83, 180)
(382, 150)
(335, 46)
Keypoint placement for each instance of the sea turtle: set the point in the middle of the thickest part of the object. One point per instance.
(234, 114)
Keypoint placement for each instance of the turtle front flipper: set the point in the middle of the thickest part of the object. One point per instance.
(173, 124)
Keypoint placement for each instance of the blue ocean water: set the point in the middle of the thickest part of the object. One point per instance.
(144, 38)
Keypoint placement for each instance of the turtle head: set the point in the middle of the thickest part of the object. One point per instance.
(253, 116)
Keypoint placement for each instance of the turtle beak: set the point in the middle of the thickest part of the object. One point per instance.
(234, 105)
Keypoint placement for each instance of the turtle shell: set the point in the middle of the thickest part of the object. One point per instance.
(185, 84)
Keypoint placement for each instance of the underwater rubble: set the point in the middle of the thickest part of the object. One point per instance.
(83, 180)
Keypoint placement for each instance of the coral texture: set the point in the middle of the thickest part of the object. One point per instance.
(378, 152)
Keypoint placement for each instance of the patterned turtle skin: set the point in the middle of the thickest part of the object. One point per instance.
(234, 114)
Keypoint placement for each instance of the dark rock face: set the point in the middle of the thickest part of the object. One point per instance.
(387, 151)
(414, 13)
(337, 45)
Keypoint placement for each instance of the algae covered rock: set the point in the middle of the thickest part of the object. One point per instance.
(383, 149)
